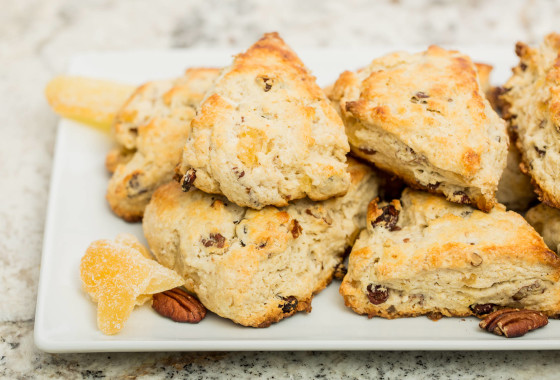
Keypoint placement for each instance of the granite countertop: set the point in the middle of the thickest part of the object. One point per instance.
(37, 39)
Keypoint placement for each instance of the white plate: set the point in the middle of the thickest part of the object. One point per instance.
(78, 214)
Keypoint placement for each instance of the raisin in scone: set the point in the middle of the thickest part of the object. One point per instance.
(266, 134)
(425, 118)
(151, 129)
(256, 267)
(546, 221)
(532, 95)
(425, 255)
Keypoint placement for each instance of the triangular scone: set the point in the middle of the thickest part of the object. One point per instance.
(266, 133)
(425, 255)
(532, 96)
(151, 129)
(256, 267)
(425, 118)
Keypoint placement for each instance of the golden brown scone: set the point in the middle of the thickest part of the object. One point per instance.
(151, 129)
(424, 117)
(256, 267)
(546, 221)
(425, 255)
(533, 110)
(266, 133)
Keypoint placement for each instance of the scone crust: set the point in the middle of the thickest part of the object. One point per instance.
(532, 97)
(425, 118)
(266, 134)
(246, 264)
(150, 130)
(443, 258)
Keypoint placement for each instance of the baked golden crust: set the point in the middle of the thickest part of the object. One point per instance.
(424, 117)
(532, 97)
(266, 133)
(256, 267)
(151, 129)
(434, 256)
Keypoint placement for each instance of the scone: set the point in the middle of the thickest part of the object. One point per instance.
(425, 255)
(424, 117)
(151, 129)
(266, 133)
(533, 98)
(256, 267)
(546, 221)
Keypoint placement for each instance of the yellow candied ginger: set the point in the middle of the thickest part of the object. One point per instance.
(91, 101)
(119, 275)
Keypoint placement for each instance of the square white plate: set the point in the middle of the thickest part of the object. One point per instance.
(78, 214)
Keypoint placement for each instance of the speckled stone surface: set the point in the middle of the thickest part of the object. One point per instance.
(37, 39)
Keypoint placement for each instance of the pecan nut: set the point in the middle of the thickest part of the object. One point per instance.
(513, 323)
(179, 306)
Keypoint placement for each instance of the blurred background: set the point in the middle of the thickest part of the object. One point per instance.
(38, 39)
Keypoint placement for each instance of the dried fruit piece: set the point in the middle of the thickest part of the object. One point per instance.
(117, 275)
(91, 101)
(378, 294)
(179, 306)
(389, 218)
(188, 180)
(290, 304)
(482, 309)
(513, 323)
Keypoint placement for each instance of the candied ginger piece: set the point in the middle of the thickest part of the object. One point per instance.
(118, 276)
(132, 242)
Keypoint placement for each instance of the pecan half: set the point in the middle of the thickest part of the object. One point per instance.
(377, 295)
(534, 288)
(179, 306)
(513, 323)
(188, 180)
